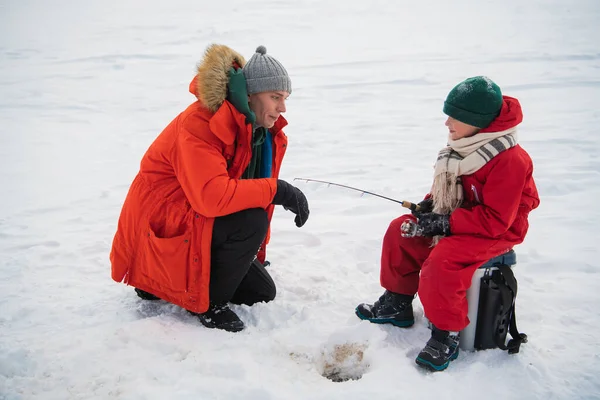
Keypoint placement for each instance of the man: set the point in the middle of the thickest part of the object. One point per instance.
(195, 223)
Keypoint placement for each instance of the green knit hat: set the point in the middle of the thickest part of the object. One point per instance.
(475, 101)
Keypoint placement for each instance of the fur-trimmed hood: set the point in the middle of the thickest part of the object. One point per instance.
(210, 83)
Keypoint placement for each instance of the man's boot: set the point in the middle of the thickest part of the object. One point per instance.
(145, 295)
(220, 316)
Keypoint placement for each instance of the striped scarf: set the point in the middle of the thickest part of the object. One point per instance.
(464, 157)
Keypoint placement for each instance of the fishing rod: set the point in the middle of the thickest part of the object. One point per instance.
(403, 203)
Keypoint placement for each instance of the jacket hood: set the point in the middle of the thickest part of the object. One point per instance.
(212, 75)
(510, 116)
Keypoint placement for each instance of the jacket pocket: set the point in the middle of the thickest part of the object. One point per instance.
(167, 260)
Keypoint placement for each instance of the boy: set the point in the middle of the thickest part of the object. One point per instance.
(482, 193)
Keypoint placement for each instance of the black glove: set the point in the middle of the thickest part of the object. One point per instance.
(432, 224)
(426, 206)
(292, 199)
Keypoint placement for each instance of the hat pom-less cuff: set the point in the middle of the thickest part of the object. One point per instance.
(269, 84)
(478, 120)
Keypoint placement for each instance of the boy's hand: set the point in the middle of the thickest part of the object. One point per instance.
(428, 224)
(432, 224)
(425, 206)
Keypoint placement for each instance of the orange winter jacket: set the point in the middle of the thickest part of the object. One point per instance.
(189, 176)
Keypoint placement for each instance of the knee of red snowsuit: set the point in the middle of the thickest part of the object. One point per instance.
(441, 275)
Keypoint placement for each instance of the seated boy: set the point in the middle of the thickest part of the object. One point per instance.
(482, 193)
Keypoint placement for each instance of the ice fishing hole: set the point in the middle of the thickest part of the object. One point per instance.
(343, 362)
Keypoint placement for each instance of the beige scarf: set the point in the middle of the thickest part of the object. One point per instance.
(464, 157)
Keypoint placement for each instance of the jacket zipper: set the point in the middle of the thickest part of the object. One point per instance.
(474, 190)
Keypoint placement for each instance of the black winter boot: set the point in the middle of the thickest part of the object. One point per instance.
(439, 350)
(145, 295)
(220, 316)
(391, 308)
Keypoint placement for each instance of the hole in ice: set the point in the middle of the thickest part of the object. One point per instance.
(343, 362)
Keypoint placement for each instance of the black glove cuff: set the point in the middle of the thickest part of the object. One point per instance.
(446, 225)
(284, 192)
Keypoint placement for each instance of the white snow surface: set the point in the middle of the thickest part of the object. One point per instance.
(85, 87)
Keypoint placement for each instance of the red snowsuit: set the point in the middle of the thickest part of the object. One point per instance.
(493, 218)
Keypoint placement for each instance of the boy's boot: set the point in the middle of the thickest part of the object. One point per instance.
(220, 316)
(391, 308)
(439, 350)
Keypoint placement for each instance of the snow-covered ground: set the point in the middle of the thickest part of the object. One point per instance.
(86, 86)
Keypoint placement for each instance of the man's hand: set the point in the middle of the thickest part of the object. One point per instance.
(292, 199)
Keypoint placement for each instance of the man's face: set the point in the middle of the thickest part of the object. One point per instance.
(459, 130)
(268, 106)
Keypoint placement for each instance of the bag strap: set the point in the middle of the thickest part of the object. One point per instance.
(508, 290)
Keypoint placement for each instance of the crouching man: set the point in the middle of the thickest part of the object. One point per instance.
(195, 223)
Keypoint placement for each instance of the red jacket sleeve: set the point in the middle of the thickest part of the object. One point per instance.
(502, 194)
(201, 170)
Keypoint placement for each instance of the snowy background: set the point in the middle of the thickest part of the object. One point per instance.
(85, 87)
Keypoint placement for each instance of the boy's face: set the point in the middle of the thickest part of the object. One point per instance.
(459, 130)
(268, 106)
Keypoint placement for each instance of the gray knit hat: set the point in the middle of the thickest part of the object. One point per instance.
(264, 73)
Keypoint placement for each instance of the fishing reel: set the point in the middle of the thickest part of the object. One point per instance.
(410, 228)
